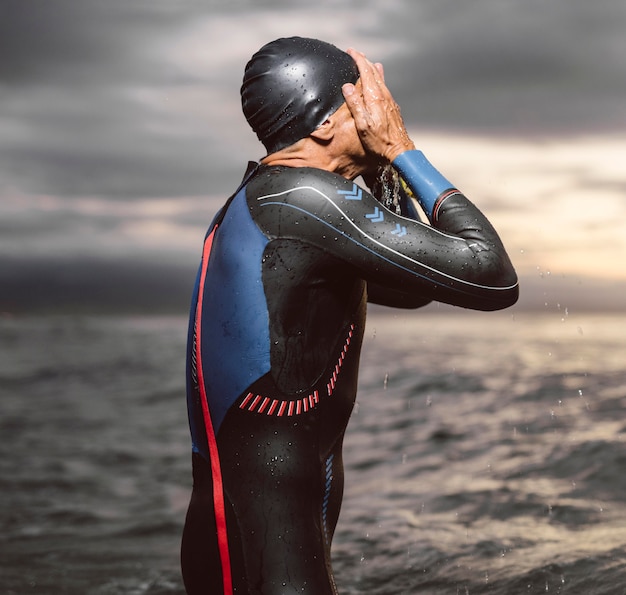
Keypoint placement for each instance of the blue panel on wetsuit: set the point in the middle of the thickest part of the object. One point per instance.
(235, 322)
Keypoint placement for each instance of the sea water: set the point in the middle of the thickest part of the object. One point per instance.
(486, 454)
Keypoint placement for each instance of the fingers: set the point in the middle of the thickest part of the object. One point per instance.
(368, 88)
(354, 101)
(366, 97)
(376, 114)
(372, 74)
(381, 70)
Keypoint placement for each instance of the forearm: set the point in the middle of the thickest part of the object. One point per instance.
(427, 184)
(451, 212)
(405, 262)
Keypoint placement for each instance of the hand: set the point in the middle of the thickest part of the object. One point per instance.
(376, 114)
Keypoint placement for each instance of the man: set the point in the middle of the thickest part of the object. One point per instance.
(279, 310)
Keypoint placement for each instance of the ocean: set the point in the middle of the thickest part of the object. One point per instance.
(486, 454)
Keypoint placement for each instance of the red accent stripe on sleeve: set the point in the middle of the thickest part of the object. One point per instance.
(439, 202)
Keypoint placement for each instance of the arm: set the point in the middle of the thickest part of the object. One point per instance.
(388, 188)
(458, 259)
(463, 263)
(384, 136)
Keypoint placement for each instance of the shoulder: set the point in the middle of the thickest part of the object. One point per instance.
(291, 183)
(297, 202)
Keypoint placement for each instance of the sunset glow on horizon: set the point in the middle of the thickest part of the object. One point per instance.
(120, 138)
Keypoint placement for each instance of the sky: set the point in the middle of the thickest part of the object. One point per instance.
(121, 134)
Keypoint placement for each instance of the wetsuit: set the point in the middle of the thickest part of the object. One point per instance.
(274, 339)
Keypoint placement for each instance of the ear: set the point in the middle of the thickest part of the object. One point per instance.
(325, 131)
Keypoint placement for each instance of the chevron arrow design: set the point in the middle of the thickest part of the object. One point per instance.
(377, 216)
(354, 194)
(399, 231)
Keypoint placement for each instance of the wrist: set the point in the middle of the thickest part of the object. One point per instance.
(396, 150)
(422, 177)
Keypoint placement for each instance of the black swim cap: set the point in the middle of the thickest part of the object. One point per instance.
(291, 86)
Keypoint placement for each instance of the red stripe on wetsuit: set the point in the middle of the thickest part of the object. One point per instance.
(216, 470)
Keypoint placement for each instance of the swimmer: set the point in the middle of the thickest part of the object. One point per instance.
(287, 268)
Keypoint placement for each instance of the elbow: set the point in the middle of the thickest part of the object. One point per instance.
(505, 299)
(512, 295)
(500, 290)
(503, 285)
(509, 281)
(503, 294)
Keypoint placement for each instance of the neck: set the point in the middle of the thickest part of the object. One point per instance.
(309, 153)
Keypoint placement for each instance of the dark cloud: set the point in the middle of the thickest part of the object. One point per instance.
(512, 67)
(121, 100)
(84, 101)
(104, 144)
(92, 102)
(94, 286)
(81, 41)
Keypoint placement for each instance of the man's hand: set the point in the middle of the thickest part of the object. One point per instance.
(376, 114)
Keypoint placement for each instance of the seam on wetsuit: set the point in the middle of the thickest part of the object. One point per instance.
(279, 407)
(216, 471)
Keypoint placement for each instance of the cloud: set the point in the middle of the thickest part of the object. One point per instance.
(94, 102)
(557, 203)
(85, 42)
(514, 67)
(121, 131)
(105, 143)
(56, 228)
(79, 285)
(140, 99)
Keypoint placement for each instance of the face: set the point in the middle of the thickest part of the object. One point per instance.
(347, 145)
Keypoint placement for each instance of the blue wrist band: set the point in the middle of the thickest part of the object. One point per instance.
(422, 178)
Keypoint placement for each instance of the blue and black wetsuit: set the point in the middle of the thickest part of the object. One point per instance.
(274, 339)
